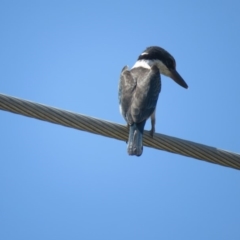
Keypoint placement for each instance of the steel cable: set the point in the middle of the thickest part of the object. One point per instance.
(117, 131)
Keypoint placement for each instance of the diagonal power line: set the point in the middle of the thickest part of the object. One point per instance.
(117, 131)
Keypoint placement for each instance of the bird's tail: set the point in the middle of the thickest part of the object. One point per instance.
(134, 146)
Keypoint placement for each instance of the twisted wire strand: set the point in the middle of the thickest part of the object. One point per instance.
(117, 131)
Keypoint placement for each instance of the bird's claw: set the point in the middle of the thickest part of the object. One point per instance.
(152, 131)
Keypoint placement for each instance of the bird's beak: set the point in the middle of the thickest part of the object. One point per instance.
(177, 78)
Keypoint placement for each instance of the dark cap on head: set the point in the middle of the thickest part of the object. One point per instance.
(159, 54)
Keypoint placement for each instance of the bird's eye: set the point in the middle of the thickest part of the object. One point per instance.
(171, 63)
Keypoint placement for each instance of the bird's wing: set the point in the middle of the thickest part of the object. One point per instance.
(126, 88)
(144, 99)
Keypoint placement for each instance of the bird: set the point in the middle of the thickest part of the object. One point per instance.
(138, 92)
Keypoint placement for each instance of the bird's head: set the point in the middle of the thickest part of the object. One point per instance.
(164, 61)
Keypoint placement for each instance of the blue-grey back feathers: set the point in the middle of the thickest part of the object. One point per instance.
(138, 94)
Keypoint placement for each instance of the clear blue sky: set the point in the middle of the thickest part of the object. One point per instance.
(60, 183)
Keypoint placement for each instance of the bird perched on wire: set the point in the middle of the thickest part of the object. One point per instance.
(138, 92)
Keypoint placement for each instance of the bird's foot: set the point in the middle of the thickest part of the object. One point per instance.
(152, 131)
